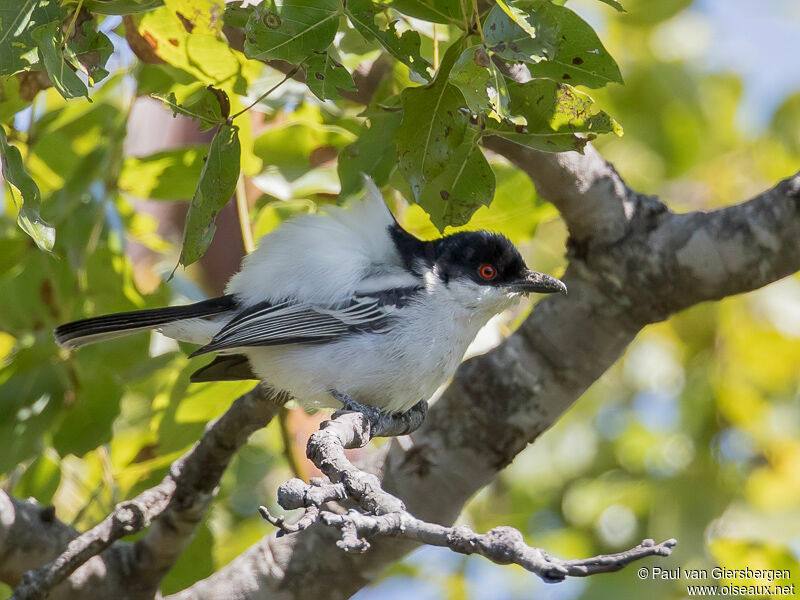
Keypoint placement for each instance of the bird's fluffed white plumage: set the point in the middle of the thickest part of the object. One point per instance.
(338, 253)
(334, 255)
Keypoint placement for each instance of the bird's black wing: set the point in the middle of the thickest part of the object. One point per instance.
(289, 322)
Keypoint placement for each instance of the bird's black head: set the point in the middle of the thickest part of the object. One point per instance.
(482, 257)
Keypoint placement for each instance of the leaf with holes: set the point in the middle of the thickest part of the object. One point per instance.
(505, 37)
(481, 83)
(214, 189)
(434, 121)
(28, 218)
(64, 78)
(290, 29)
(466, 184)
(207, 104)
(555, 113)
(436, 11)
(404, 47)
(580, 58)
(18, 20)
(325, 77)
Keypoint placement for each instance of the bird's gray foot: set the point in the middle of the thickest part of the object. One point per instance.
(386, 424)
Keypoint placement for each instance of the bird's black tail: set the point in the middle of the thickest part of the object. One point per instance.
(97, 329)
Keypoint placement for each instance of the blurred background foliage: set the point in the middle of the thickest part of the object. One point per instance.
(694, 434)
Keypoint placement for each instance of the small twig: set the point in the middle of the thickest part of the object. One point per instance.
(477, 16)
(382, 514)
(185, 492)
(71, 26)
(288, 76)
(128, 517)
(502, 545)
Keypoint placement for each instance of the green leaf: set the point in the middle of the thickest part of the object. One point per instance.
(404, 48)
(580, 58)
(554, 113)
(121, 7)
(370, 153)
(18, 20)
(28, 218)
(481, 83)
(614, 4)
(204, 103)
(291, 29)
(10, 100)
(40, 480)
(90, 49)
(325, 77)
(466, 184)
(433, 126)
(215, 187)
(185, 34)
(168, 175)
(521, 36)
(64, 79)
(436, 11)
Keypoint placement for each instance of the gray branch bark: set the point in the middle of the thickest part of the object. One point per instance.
(631, 262)
(91, 565)
(381, 514)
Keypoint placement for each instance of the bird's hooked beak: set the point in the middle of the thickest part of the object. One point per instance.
(539, 283)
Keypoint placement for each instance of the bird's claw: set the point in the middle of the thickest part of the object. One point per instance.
(386, 424)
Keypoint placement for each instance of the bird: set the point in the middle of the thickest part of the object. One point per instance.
(343, 304)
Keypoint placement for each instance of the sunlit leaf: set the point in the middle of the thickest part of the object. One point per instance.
(530, 41)
(579, 58)
(214, 190)
(437, 11)
(555, 113)
(198, 102)
(121, 7)
(291, 29)
(167, 175)
(481, 83)
(18, 20)
(64, 78)
(466, 184)
(28, 217)
(403, 46)
(433, 126)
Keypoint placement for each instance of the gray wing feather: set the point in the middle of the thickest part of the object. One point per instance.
(294, 323)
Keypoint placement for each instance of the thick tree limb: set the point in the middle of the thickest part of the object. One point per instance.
(632, 262)
(500, 402)
(174, 507)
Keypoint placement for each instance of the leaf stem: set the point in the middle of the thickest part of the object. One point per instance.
(477, 16)
(72, 22)
(244, 215)
(288, 76)
(435, 47)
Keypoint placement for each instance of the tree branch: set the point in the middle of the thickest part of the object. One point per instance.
(499, 402)
(175, 507)
(381, 514)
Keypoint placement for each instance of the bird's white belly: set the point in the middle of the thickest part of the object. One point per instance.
(391, 371)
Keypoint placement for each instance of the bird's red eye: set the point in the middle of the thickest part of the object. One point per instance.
(487, 272)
